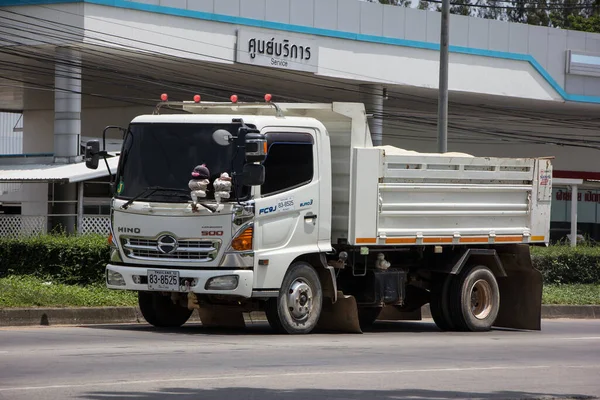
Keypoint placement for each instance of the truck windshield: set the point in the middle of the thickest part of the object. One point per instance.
(165, 154)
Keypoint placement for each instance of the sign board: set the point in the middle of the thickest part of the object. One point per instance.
(276, 50)
(588, 205)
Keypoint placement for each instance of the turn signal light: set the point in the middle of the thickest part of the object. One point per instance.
(243, 242)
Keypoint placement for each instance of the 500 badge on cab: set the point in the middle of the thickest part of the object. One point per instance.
(212, 233)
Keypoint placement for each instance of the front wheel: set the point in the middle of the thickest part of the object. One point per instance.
(159, 310)
(298, 306)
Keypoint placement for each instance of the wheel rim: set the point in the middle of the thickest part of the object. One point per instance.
(481, 299)
(300, 300)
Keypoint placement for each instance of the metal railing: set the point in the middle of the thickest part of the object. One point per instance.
(32, 225)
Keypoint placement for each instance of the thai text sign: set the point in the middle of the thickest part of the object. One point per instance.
(277, 50)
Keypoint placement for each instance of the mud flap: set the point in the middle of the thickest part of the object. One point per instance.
(341, 316)
(520, 290)
(221, 317)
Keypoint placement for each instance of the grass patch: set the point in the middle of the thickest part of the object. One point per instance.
(571, 294)
(28, 291)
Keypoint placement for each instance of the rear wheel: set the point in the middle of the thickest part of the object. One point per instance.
(438, 303)
(159, 310)
(298, 306)
(474, 299)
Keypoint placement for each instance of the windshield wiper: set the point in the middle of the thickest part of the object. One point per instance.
(150, 190)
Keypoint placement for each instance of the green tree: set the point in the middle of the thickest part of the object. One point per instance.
(460, 7)
(586, 24)
(402, 3)
(424, 5)
(491, 9)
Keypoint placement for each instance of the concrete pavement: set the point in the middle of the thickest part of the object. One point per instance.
(113, 315)
(397, 360)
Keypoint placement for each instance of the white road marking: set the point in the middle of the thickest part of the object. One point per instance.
(584, 338)
(241, 377)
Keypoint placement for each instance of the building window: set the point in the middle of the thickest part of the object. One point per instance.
(288, 165)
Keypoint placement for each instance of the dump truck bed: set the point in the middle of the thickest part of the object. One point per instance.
(402, 197)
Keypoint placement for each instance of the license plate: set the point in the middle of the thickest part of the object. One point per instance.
(167, 281)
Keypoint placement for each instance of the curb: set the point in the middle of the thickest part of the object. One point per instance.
(128, 315)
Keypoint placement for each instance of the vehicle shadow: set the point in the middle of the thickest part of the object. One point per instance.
(240, 393)
(262, 328)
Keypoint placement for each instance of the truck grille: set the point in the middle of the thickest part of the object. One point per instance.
(187, 250)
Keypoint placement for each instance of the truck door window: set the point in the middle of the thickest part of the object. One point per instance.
(288, 165)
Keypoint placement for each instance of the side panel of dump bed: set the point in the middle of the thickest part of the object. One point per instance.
(405, 198)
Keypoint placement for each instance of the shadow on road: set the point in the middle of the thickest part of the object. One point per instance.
(309, 394)
(262, 328)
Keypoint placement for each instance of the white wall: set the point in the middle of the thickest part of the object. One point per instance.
(212, 41)
(38, 131)
(33, 197)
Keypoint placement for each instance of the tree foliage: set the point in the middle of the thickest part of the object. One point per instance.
(580, 15)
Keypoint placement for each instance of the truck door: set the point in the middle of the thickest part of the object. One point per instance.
(287, 220)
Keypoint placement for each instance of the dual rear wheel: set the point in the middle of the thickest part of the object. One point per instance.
(469, 301)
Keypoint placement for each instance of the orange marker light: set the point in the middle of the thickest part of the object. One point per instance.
(244, 241)
(164, 97)
(197, 98)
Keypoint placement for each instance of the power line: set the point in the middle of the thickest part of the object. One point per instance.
(513, 137)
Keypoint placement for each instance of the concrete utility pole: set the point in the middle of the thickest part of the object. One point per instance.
(443, 83)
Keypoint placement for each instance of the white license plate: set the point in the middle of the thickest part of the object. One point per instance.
(164, 280)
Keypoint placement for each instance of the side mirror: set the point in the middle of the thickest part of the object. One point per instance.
(92, 154)
(256, 147)
(253, 175)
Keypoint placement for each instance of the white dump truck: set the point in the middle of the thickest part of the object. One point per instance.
(228, 208)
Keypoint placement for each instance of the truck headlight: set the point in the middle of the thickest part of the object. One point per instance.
(226, 282)
(114, 278)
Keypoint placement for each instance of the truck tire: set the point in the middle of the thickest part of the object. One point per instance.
(300, 301)
(474, 299)
(438, 303)
(273, 315)
(159, 310)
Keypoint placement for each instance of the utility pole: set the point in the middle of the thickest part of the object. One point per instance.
(443, 82)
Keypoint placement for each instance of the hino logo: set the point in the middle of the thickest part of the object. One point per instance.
(124, 229)
(167, 244)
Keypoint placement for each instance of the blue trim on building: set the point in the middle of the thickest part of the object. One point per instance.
(320, 32)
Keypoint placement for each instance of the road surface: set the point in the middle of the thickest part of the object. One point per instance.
(397, 360)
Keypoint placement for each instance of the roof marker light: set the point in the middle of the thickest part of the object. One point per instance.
(197, 98)
(164, 97)
(268, 97)
(234, 98)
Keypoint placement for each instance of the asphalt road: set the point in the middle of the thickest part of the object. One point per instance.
(397, 360)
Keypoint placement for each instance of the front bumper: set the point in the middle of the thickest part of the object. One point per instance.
(243, 289)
